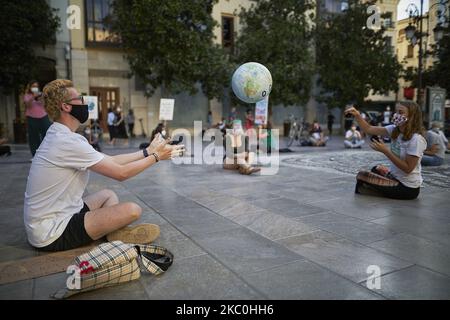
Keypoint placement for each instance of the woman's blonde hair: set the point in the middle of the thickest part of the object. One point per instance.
(414, 123)
(55, 93)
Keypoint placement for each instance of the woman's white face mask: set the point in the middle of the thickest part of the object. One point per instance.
(399, 119)
(35, 90)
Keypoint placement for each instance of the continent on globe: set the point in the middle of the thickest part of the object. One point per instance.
(251, 82)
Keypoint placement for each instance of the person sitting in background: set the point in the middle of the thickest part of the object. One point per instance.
(160, 128)
(4, 150)
(436, 145)
(317, 138)
(265, 136)
(353, 138)
(237, 155)
(437, 127)
(92, 134)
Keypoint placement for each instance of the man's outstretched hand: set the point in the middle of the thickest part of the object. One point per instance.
(165, 151)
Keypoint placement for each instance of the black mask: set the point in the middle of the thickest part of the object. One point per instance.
(80, 112)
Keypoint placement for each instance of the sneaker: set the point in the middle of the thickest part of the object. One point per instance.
(139, 234)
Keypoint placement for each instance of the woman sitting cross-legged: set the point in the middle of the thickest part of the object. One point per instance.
(404, 179)
(237, 155)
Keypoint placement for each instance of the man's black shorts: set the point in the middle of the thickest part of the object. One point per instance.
(74, 235)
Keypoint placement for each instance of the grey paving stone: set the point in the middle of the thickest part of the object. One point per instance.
(245, 251)
(272, 226)
(126, 291)
(198, 278)
(342, 256)
(45, 287)
(434, 230)
(426, 253)
(199, 223)
(237, 208)
(287, 207)
(177, 243)
(348, 227)
(415, 283)
(356, 206)
(9, 253)
(305, 281)
(22, 290)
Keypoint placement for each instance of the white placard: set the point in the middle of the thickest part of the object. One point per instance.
(261, 111)
(92, 102)
(166, 109)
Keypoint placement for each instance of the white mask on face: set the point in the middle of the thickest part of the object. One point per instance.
(163, 133)
(35, 90)
(399, 119)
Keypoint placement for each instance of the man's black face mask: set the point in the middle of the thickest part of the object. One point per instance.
(79, 111)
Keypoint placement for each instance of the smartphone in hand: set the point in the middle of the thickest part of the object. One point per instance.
(375, 138)
(174, 143)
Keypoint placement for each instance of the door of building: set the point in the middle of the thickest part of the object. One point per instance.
(107, 98)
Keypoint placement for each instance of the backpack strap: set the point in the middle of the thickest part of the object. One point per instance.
(155, 259)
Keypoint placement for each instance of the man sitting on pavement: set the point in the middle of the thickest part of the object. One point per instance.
(353, 138)
(57, 217)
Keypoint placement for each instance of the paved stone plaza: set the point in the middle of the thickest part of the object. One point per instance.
(301, 234)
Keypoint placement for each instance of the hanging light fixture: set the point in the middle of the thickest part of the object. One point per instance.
(438, 32)
(410, 31)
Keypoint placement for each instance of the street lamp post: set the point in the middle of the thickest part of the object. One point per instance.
(417, 36)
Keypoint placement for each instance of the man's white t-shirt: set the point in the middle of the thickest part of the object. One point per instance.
(414, 147)
(56, 183)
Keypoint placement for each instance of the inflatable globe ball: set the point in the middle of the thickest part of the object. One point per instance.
(251, 82)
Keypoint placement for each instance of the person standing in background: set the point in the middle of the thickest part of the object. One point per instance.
(209, 119)
(330, 122)
(232, 115)
(249, 120)
(387, 116)
(111, 127)
(37, 118)
(121, 131)
(130, 122)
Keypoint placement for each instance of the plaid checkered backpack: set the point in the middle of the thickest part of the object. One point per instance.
(113, 263)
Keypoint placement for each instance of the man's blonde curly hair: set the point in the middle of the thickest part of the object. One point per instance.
(54, 94)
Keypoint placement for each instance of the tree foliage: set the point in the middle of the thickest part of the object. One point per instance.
(278, 35)
(353, 59)
(169, 44)
(25, 24)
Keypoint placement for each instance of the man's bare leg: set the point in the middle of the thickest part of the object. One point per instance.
(101, 222)
(101, 199)
(109, 218)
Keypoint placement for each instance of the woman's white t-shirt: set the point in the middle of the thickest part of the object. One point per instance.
(56, 183)
(414, 147)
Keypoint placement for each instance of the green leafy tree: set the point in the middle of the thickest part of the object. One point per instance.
(278, 34)
(169, 44)
(25, 24)
(353, 59)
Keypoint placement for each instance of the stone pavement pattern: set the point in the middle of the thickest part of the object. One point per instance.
(301, 234)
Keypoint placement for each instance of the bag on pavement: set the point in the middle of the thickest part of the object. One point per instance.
(112, 263)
